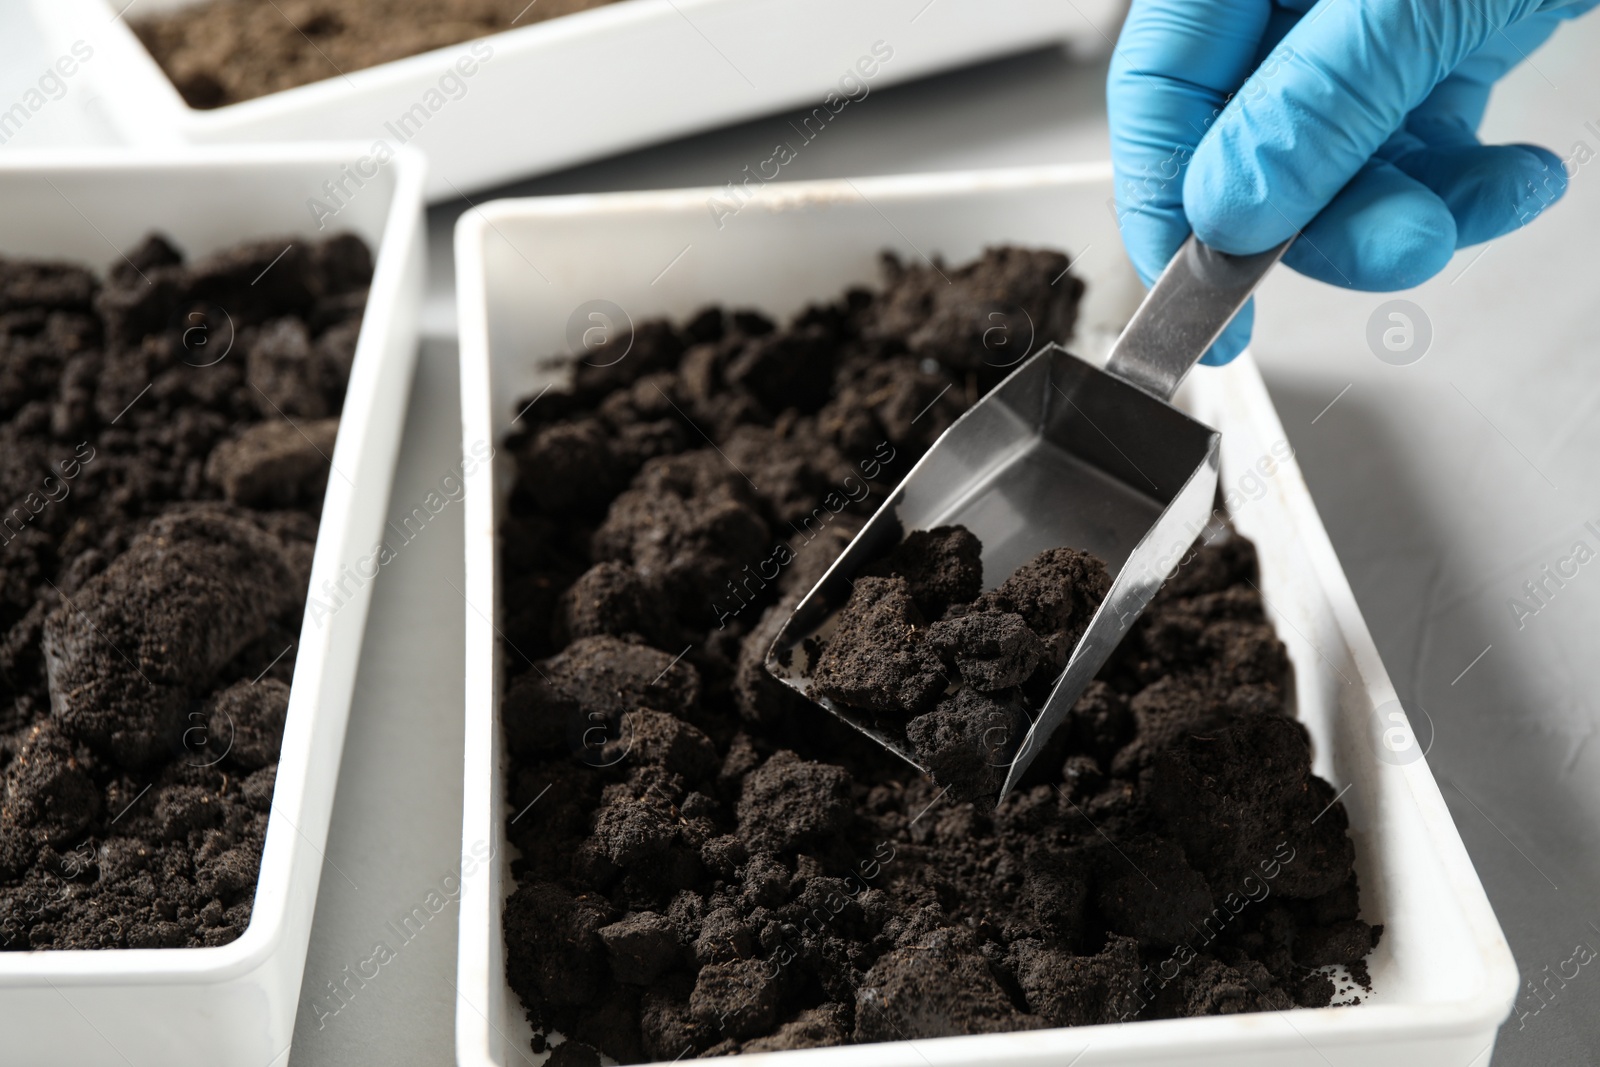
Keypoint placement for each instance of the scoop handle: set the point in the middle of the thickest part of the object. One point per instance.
(1197, 295)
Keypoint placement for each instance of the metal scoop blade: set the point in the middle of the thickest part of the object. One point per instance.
(1062, 453)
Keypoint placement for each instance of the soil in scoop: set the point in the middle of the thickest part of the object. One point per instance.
(223, 51)
(950, 674)
(708, 863)
(163, 444)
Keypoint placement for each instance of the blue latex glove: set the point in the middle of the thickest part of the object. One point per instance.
(1350, 122)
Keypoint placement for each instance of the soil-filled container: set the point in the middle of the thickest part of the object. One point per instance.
(555, 275)
(232, 1000)
(578, 87)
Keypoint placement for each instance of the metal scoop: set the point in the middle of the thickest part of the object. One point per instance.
(1063, 453)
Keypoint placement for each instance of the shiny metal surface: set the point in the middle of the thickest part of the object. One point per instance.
(1197, 295)
(1063, 453)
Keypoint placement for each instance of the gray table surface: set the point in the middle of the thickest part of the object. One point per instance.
(1446, 484)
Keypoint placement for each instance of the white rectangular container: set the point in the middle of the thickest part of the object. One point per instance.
(579, 87)
(1443, 973)
(233, 1005)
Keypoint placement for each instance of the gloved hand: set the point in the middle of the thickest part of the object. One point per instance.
(1349, 121)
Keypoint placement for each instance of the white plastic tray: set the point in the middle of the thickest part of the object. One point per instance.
(583, 86)
(1443, 973)
(234, 1005)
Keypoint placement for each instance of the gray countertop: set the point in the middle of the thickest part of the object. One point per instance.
(1446, 484)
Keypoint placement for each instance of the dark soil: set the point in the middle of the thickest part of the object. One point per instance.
(224, 51)
(710, 863)
(164, 436)
(929, 662)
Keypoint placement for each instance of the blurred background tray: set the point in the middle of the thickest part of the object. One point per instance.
(551, 94)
